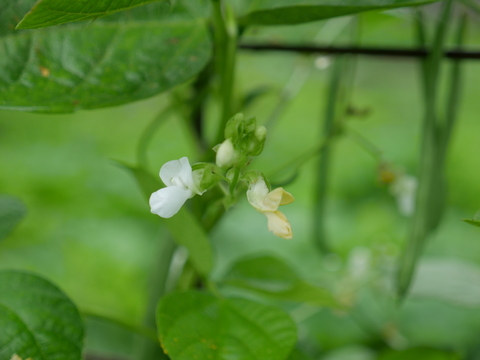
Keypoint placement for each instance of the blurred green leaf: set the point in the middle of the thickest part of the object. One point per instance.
(55, 12)
(418, 353)
(270, 276)
(12, 211)
(184, 227)
(37, 319)
(296, 354)
(472, 222)
(188, 232)
(200, 326)
(117, 59)
(276, 12)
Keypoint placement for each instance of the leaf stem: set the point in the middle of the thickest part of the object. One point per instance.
(225, 56)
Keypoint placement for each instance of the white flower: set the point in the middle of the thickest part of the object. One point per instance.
(404, 188)
(226, 154)
(178, 176)
(267, 203)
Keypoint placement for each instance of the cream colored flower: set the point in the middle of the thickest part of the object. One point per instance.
(267, 203)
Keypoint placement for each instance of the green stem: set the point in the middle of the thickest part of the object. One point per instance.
(455, 85)
(319, 212)
(147, 135)
(298, 78)
(225, 56)
(234, 182)
(429, 203)
(301, 159)
(365, 144)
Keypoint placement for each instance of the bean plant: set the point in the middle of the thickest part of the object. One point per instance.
(59, 56)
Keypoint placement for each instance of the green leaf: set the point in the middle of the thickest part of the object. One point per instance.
(200, 326)
(184, 227)
(55, 12)
(272, 277)
(277, 12)
(12, 211)
(37, 319)
(296, 354)
(114, 60)
(472, 222)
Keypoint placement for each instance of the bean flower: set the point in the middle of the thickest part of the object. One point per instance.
(178, 177)
(267, 203)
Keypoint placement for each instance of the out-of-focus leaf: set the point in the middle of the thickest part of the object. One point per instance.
(200, 326)
(188, 232)
(418, 353)
(270, 276)
(454, 281)
(12, 211)
(184, 227)
(472, 222)
(113, 60)
(296, 354)
(55, 12)
(276, 12)
(37, 320)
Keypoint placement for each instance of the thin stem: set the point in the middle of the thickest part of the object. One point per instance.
(301, 159)
(234, 182)
(297, 79)
(319, 231)
(430, 195)
(147, 135)
(365, 144)
(225, 53)
(453, 101)
(310, 48)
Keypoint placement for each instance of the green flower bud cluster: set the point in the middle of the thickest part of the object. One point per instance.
(243, 139)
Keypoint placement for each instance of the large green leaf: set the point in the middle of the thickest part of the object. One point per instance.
(117, 59)
(55, 12)
(184, 227)
(276, 12)
(272, 277)
(200, 326)
(12, 211)
(37, 320)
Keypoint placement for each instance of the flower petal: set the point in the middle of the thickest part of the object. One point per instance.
(167, 202)
(177, 170)
(278, 224)
(275, 198)
(257, 193)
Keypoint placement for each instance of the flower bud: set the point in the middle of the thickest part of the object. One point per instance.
(226, 154)
(261, 133)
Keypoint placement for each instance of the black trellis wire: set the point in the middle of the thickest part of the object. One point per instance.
(371, 51)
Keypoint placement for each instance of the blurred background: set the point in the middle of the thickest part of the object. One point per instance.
(90, 231)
